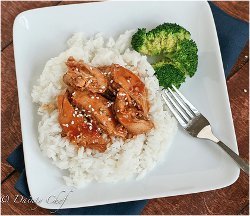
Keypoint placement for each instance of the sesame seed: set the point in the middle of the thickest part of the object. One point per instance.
(90, 127)
(128, 80)
(72, 122)
(103, 87)
(73, 93)
(76, 108)
(109, 104)
(118, 111)
(109, 119)
(90, 68)
(245, 90)
(97, 97)
(126, 103)
(90, 106)
(111, 81)
(122, 94)
(92, 109)
(92, 97)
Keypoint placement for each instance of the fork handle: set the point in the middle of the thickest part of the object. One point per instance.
(206, 133)
(241, 163)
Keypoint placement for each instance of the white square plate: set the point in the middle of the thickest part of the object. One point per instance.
(191, 165)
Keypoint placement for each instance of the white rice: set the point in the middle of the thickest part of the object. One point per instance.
(122, 160)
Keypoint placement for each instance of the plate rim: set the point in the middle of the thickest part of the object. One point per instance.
(218, 52)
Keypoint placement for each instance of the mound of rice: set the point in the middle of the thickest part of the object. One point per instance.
(122, 160)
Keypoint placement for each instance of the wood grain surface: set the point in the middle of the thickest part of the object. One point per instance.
(11, 129)
(10, 9)
(237, 9)
(230, 200)
(242, 60)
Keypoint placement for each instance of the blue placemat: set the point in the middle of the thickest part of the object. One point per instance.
(233, 35)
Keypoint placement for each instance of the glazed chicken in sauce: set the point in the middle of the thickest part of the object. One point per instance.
(77, 126)
(81, 76)
(101, 103)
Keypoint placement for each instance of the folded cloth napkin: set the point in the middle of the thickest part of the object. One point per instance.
(16, 160)
(233, 35)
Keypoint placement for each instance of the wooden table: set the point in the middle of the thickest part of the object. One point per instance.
(230, 200)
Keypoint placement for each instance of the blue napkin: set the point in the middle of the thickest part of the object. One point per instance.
(233, 35)
(16, 160)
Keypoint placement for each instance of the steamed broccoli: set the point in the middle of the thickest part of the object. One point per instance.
(169, 75)
(173, 44)
(163, 38)
(185, 58)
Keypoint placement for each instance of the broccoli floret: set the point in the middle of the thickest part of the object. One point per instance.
(169, 75)
(138, 39)
(185, 58)
(172, 44)
(162, 39)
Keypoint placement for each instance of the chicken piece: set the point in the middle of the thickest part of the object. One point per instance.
(76, 127)
(100, 109)
(108, 72)
(129, 116)
(81, 76)
(110, 93)
(122, 77)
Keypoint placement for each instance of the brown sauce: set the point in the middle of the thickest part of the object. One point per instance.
(91, 115)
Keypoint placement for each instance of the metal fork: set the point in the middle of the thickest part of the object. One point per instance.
(195, 123)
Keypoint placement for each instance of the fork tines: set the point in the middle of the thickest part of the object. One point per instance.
(182, 109)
